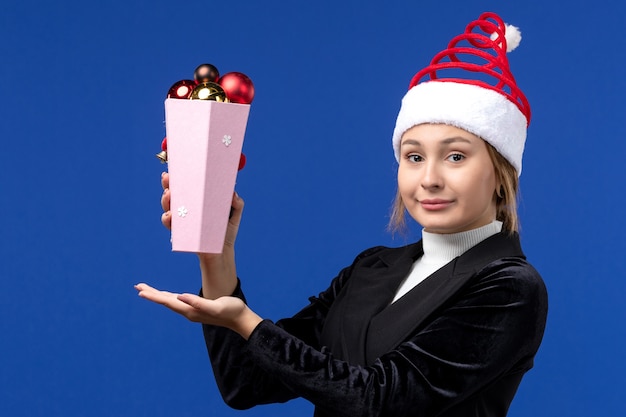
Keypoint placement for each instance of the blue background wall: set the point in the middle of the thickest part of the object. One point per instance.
(83, 85)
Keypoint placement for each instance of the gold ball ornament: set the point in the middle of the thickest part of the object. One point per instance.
(209, 91)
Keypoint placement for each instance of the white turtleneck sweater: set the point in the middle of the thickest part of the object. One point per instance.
(439, 249)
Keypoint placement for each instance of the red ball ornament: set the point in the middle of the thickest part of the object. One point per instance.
(181, 89)
(238, 87)
(242, 162)
(164, 144)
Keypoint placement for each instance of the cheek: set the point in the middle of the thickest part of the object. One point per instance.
(487, 184)
(478, 186)
(404, 182)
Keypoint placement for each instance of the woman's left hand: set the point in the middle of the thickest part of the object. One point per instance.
(230, 312)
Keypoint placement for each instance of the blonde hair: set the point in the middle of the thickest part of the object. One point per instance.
(506, 196)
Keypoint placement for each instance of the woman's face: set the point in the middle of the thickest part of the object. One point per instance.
(446, 178)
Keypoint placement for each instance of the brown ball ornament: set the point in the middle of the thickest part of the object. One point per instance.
(205, 73)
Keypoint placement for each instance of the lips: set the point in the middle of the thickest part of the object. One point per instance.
(435, 204)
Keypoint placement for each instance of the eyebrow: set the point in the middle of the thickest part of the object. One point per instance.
(446, 141)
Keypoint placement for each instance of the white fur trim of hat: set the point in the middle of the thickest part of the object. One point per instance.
(481, 111)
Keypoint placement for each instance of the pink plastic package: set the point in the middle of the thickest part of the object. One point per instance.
(204, 142)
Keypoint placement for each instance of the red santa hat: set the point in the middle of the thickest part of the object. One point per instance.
(469, 85)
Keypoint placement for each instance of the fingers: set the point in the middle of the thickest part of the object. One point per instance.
(165, 199)
(190, 306)
(230, 312)
(167, 299)
(237, 209)
(202, 310)
(233, 223)
(166, 217)
(193, 301)
(152, 294)
(141, 287)
(147, 291)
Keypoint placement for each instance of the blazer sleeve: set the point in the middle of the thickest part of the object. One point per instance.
(493, 328)
(240, 379)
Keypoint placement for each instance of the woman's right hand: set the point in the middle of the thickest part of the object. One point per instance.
(219, 272)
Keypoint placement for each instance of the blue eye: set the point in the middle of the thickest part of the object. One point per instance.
(456, 157)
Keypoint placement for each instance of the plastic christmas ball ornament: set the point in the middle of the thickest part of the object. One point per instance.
(205, 73)
(242, 162)
(238, 87)
(181, 89)
(209, 91)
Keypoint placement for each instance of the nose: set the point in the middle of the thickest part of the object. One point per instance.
(432, 178)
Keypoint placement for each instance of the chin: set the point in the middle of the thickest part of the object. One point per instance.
(443, 231)
(447, 227)
(442, 226)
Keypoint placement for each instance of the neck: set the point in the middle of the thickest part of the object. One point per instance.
(449, 246)
(439, 249)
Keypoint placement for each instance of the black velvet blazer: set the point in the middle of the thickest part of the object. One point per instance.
(457, 344)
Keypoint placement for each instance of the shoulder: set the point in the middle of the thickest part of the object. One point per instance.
(499, 269)
(498, 257)
(374, 258)
(512, 265)
(514, 281)
(387, 255)
(368, 253)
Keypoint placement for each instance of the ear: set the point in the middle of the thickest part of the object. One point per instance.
(499, 190)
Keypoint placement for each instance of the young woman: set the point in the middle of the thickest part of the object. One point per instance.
(443, 327)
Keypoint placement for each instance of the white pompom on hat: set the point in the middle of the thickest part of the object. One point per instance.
(481, 95)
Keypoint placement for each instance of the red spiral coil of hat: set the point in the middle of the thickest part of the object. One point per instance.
(496, 63)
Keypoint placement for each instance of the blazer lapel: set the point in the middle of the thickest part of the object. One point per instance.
(393, 324)
(370, 290)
